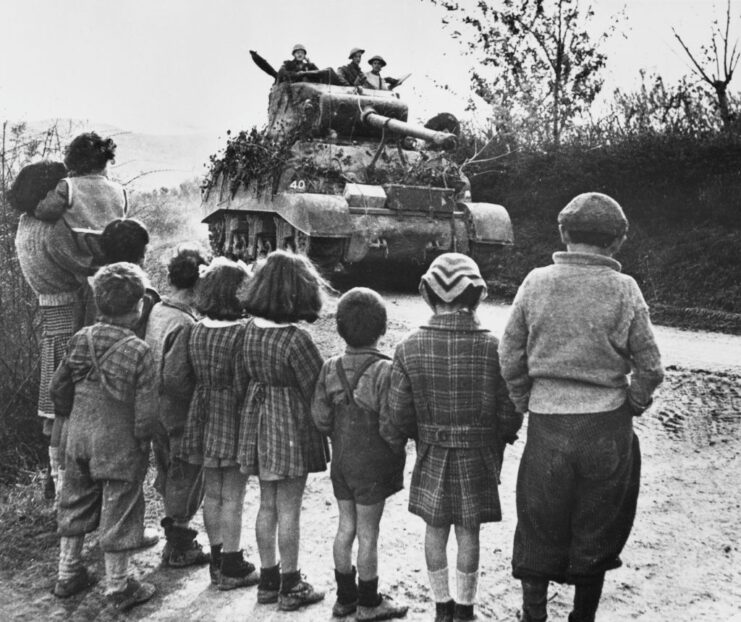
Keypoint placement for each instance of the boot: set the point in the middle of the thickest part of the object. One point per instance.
(586, 600)
(295, 592)
(444, 612)
(181, 548)
(236, 572)
(375, 606)
(269, 586)
(133, 594)
(347, 593)
(463, 613)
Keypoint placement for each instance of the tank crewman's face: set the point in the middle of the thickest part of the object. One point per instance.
(376, 65)
(356, 57)
(299, 55)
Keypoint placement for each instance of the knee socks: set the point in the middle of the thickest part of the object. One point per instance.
(116, 571)
(466, 583)
(439, 584)
(70, 556)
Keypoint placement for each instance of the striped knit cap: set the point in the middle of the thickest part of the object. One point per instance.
(449, 276)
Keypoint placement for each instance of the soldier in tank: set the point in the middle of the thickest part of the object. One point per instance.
(352, 72)
(292, 69)
(374, 79)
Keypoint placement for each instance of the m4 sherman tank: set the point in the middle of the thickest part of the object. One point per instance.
(339, 174)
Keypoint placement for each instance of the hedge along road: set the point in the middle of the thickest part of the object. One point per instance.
(689, 349)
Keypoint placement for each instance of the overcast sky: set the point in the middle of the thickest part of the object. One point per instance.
(184, 65)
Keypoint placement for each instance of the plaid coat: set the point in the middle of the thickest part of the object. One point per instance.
(211, 430)
(447, 393)
(278, 434)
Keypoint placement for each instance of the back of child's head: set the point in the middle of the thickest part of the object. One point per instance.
(184, 268)
(118, 287)
(124, 239)
(361, 317)
(594, 219)
(32, 184)
(453, 279)
(286, 287)
(88, 153)
(217, 290)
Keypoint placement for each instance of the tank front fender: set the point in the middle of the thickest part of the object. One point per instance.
(317, 215)
(488, 223)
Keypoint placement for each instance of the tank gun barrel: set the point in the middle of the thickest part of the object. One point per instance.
(445, 140)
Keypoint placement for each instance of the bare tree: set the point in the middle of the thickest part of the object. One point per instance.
(723, 58)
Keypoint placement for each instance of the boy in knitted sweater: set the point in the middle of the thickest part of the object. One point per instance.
(578, 353)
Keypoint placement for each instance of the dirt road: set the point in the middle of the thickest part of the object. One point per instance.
(682, 562)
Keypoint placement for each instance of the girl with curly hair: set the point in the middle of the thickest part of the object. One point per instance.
(279, 441)
(86, 200)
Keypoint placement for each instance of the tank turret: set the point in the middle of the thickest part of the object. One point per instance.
(340, 174)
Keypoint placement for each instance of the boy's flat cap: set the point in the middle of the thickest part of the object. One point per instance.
(594, 211)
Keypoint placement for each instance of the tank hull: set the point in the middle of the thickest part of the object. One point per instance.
(342, 238)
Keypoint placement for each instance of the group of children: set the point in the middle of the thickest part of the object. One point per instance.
(227, 384)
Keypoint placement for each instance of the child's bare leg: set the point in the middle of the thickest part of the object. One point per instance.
(436, 544)
(468, 548)
(368, 520)
(212, 505)
(345, 537)
(232, 500)
(289, 494)
(266, 524)
(436, 557)
(467, 566)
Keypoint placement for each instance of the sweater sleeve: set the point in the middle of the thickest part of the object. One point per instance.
(648, 371)
(385, 427)
(54, 204)
(321, 408)
(67, 253)
(513, 355)
(509, 420)
(145, 400)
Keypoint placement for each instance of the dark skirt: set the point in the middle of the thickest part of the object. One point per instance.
(577, 491)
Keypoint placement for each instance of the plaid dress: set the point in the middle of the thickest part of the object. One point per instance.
(447, 393)
(278, 433)
(212, 428)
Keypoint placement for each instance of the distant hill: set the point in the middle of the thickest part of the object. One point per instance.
(144, 161)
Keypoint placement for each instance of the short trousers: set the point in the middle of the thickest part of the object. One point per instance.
(114, 507)
(365, 490)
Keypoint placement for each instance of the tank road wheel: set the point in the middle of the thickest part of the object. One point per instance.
(326, 253)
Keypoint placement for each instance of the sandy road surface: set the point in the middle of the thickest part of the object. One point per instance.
(682, 562)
